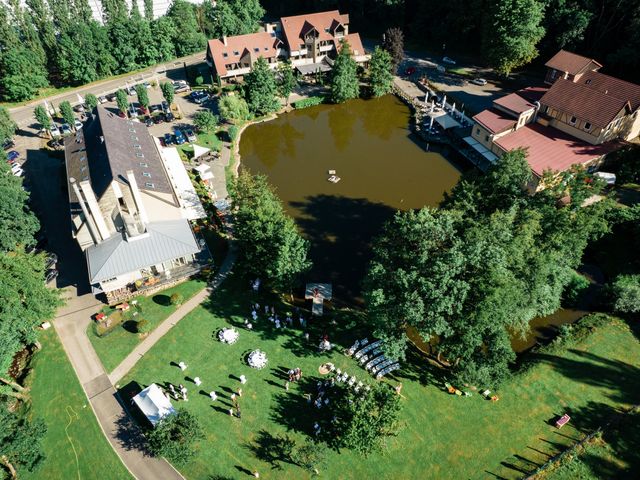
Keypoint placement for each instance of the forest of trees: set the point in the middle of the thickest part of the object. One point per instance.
(607, 30)
(58, 43)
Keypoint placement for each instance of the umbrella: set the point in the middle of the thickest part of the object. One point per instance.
(431, 124)
(80, 99)
(453, 108)
(444, 101)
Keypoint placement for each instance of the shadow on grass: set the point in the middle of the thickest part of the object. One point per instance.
(163, 300)
(271, 449)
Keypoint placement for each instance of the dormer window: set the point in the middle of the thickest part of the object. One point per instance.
(327, 30)
(236, 53)
(149, 185)
(587, 126)
(146, 174)
(140, 155)
(225, 55)
(573, 120)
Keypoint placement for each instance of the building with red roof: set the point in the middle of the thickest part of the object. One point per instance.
(310, 41)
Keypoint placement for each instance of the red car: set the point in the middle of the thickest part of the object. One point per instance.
(410, 71)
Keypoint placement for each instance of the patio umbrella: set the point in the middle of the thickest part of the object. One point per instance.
(453, 108)
(431, 124)
(444, 101)
(433, 104)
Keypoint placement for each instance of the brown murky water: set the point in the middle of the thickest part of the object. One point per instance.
(381, 166)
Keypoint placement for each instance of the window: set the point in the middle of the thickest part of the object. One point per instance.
(587, 126)
(486, 138)
(256, 49)
(225, 55)
(546, 109)
(573, 120)
(477, 131)
(146, 174)
(140, 155)
(236, 53)
(149, 185)
(144, 164)
(139, 147)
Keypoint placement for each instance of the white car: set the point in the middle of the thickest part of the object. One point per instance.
(55, 131)
(479, 81)
(18, 172)
(77, 124)
(448, 60)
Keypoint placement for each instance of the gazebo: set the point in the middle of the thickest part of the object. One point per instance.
(154, 404)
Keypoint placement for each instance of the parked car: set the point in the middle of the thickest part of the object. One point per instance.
(199, 96)
(449, 60)
(18, 172)
(77, 125)
(111, 97)
(66, 129)
(164, 106)
(410, 71)
(158, 118)
(131, 90)
(168, 117)
(13, 155)
(79, 108)
(132, 111)
(180, 138)
(8, 143)
(479, 81)
(55, 131)
(52, 273)
(148, 121)
(191, 137)
(50, 260)
(102, 99)
(168, 139)
(180, 86)
(155, 108)
(56, 144)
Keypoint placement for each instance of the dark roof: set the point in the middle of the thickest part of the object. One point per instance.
(612, 86)
(572, 63)
(514, 103)
(495, 120)
(585, 103)
(106, 148)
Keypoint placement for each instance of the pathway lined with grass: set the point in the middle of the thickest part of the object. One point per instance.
(443, 436)
(74, 445)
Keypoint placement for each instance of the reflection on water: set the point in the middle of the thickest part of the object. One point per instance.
(381, 167)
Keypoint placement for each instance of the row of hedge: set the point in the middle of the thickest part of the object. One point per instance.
(308, 102)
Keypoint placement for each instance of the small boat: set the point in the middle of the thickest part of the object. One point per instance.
(333, 179)
(332, 172)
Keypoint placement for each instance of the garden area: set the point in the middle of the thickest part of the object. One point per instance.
(74, 444)
(125, 331)
(446, 435)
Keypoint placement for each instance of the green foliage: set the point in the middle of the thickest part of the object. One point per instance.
(233, 17)
(625, 290)
(122, 101)
(270, 246)
(91, 101)
(308, 102)
(286, 79)
(574, 289)
(7, 126)
(394, 45)
(344, 79)
(21, 74)
(199, 80)
(233, 108)
(143, 97)
(20, 440)
(261, 91)
(42, 117)
(177, 299)
(628, 162)
(168, 92)
(17, 223)
(381, 72)
(205, 121)
(66, 111)
(189, 39)
(174, 435)
(143, 326)
(363, 420)
(310, 456)
(233, 132)
(512, 32)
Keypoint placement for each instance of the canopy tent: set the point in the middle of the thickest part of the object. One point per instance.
(445, 120)
(154, 404)
(481, 149)
(609, 178)
(204, 171)
(198, 151)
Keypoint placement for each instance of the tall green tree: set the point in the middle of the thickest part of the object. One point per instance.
(143, 97)
(20, 442)
(77, 55)
(626, 293)
(233, 17)
(286, 80)
(393, 43)
(148, 9)
(123, 45)
(189, 39)
(270, 246)
(164, 31)
(66, 111)
(344, 78)
(380, 72)
(21, 74)
(233, 108)
(91, 101)
(17, 223)
(260, 88)
(42, 117)
(205, 121)
(512, 31)
(174, 435)
(168, 92)
(144, 39)
(122, 101)
(7, 126)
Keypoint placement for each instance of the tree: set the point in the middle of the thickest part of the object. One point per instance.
(363, 420)
(143, 97)
(122, 101)
(20, 442)
(233, 108)
(261, 90)
(270, 246)
(91, 101)
(310, 456)
(565, 23)
(123, 45)
(205, 121)
(344, 81)
(144, 38)
(66, 111)
(148, 9)
(512, 32)
(233, 17)
(77, 55)
(393, 43)
(286, 80)
(17, 223)
(164, 32)
(42, 117)
(177, 299)
(626, 293)
(174, 435)
(22, 74)
(168, 92)
(381, 75)
(7, 126)
(189, 39)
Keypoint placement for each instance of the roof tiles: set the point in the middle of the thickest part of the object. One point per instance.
(572, 63)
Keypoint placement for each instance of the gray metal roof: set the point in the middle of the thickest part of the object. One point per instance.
(165, 241)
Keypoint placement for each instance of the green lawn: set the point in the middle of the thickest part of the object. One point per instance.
(114, 347)
(75, 446)
(443, 436)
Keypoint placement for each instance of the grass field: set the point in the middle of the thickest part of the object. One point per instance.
(74, 445)
(442, 436)
(114, 347)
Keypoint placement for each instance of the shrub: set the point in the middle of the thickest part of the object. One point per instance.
(625, 291)
(199, 80)
(574, 289)
(308, 102)
(109, 324)
(143, 326)
(177, 299)
(233, 132)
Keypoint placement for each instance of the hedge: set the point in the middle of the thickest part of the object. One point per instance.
(308, 102)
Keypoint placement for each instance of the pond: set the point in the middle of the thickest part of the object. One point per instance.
(382, 167)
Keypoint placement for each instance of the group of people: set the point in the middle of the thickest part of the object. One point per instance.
(272, 316)
(180, 393)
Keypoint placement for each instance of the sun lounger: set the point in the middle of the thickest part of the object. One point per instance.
(563, 420)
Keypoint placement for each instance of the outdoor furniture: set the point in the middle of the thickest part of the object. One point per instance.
(228, 335)
(562, 421)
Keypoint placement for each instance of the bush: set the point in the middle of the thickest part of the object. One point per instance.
(574, 289)
(625, 292)
(308, 102)
(177, 299)
(199, 80)
(105, 327)
(143, 326)
(233, 132)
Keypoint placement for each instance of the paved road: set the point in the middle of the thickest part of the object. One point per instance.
(174, 70)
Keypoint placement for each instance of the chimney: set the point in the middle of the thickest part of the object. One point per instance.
(94, 208)
(224, 40)
(88, 219)
(133, 185)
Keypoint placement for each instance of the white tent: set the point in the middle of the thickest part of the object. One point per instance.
(154, 404)
(198, 151)
(205, 172)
